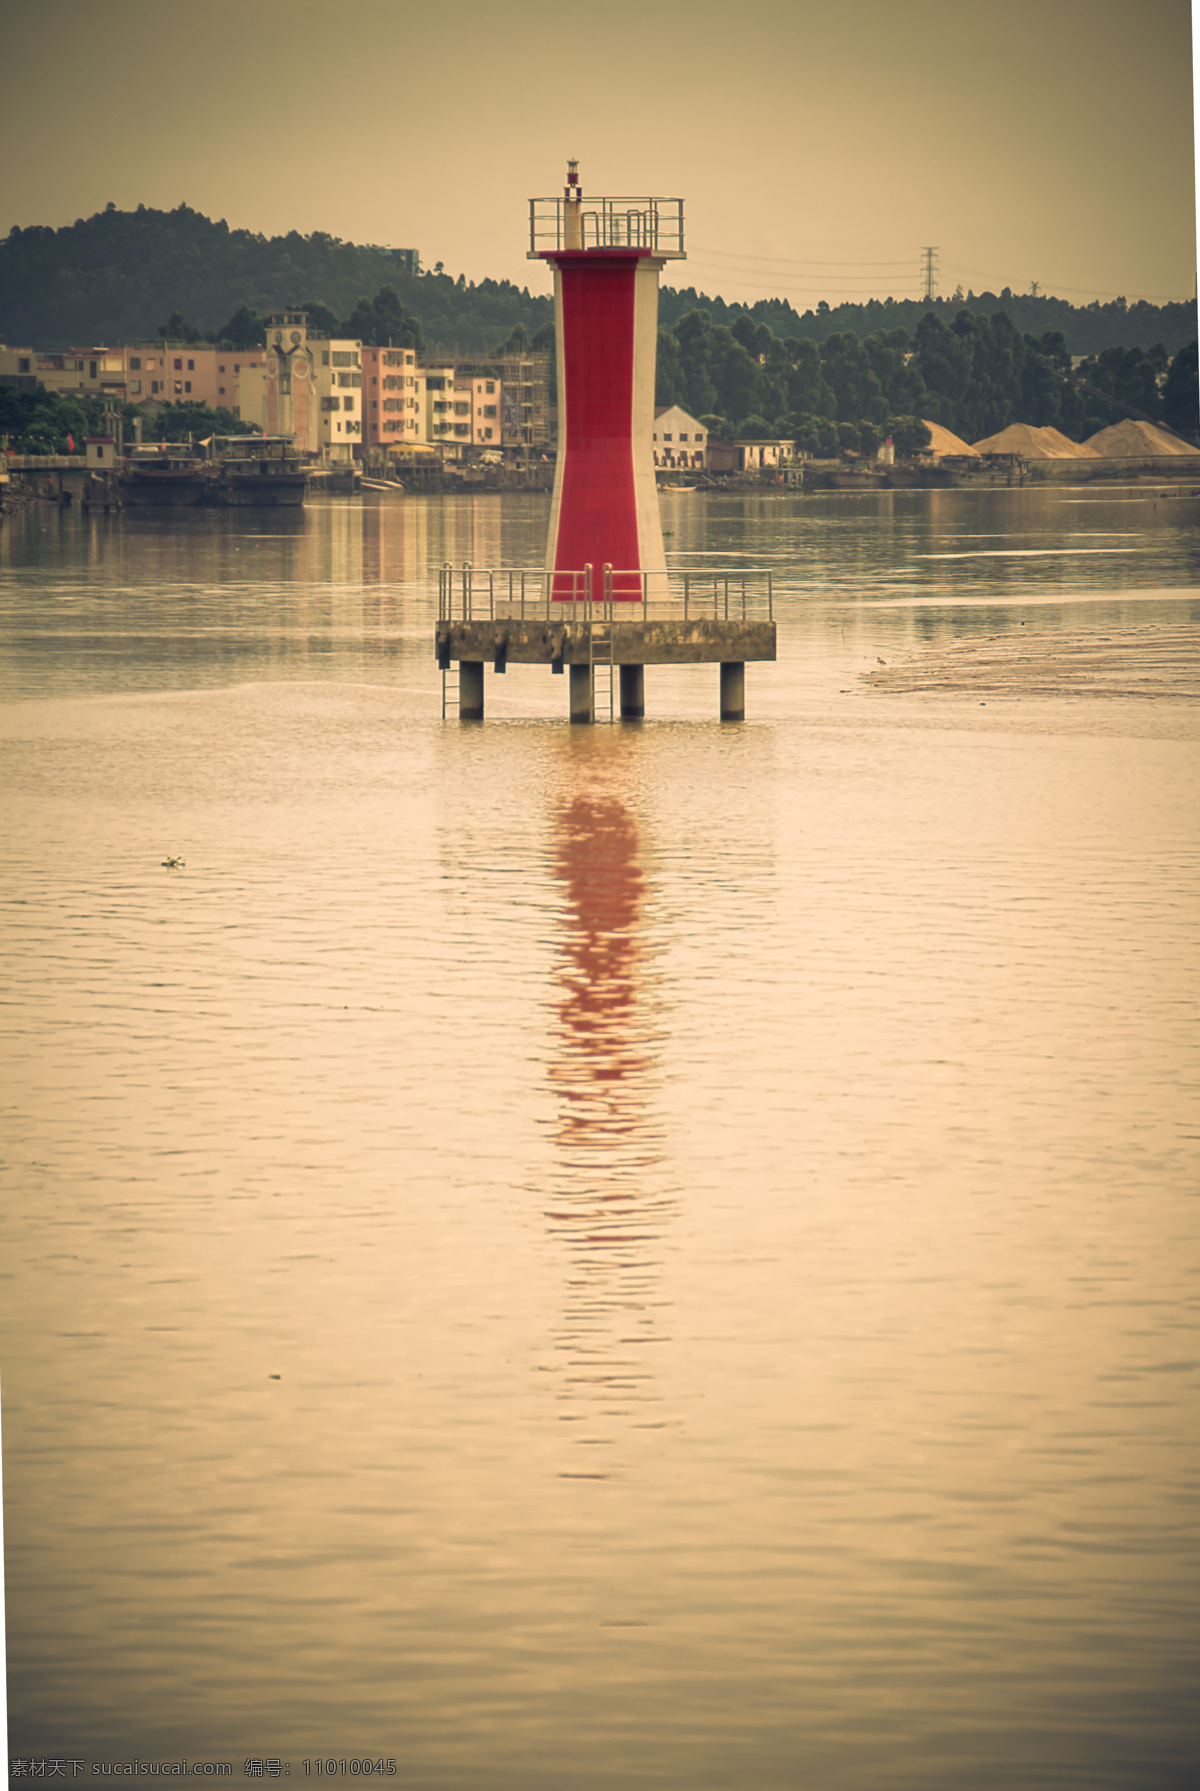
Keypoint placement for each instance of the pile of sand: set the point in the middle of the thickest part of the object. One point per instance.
(1136, 441)
(945, 442)
(1035, 444)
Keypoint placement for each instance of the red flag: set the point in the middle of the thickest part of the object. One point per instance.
(70, 441)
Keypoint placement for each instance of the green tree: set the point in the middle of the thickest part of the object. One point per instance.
(693, 333)
(1181, 394)
(808, 393)
(178, 329)
(991, 397)
(245, 329)
(897, 370)
(944, 362)
(734, 372)
(909, 434)
(850, 376)
(1128, 376)
(42, 422)
(668, 377)
(870, 436)
(176, 422)
(321, 321)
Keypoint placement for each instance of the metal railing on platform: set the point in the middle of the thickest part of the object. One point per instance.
(469, 593)
(609, 223)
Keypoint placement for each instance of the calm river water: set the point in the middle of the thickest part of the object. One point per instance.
(653, 1256)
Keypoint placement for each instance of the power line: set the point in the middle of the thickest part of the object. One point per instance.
(788, 261)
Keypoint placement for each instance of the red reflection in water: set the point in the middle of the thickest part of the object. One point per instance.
(605, 1053)
(610, 1207)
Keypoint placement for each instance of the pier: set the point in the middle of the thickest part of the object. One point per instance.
(497, 616)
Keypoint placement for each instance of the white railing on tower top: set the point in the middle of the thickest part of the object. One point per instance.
(628, 223)
(469, 593)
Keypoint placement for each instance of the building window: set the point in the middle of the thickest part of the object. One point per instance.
(135, 363)
(135, 385)
(666, 438)
(683, 435)
(237, 366)
(490, 387)
(489, 410)
(187, 385)
(153, 386)
(179, 366)
(191, 366)
(220, 391)
(179, 385)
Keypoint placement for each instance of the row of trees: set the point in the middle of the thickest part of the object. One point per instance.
(376, 322)
(1086, 329)
(975, 376)
(45, 423)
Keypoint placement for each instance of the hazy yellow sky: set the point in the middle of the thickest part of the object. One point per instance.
(818, 148)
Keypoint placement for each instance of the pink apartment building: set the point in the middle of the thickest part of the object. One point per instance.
(393, 402)
(195, 374)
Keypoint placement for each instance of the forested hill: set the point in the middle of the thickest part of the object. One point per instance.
(1085, 329)
(117, 276)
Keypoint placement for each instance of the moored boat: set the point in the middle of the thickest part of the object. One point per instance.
(164, 473)
(258, 470)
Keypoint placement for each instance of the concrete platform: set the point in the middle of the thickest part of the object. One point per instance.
(579, 647)
(697, 641)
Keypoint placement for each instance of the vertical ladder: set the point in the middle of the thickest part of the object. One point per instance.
(600, 650)
(450, 689)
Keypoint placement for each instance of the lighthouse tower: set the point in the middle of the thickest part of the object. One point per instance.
(607, 255)
(601, 604)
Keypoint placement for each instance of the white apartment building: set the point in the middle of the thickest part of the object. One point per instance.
(463, 410)
(337, 378)
(679, 440)
(486, 399)
(439, 406)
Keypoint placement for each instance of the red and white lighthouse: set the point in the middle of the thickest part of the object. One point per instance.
(607, 255)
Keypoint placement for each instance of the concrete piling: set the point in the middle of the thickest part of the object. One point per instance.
(470, 689)
(581, 693)
(633, 692)
(733, 690)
